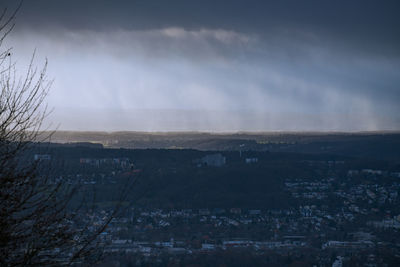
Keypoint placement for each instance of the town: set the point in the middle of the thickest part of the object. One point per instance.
(187, 205)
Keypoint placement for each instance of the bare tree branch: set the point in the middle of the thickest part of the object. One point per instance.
(36, 226)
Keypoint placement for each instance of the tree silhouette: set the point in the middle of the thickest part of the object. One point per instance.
(36, 225)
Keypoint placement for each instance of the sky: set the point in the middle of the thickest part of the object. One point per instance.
(215, 65)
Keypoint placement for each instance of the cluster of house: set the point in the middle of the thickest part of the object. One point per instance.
(291, 228)
(41, 157)
(104, 177)
(294, 228)
(180, 247)
(351, 173)
(388, 223)
(370, 193)
(218, 160)
(121, 162)
(214, 160)
(320, 220)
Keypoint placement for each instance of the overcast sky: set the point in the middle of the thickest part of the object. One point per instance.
(215, 65)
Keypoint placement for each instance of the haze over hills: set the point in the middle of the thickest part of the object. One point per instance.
(220, 119)
(371, 144)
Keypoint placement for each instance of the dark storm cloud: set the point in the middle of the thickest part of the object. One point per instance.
(272, 64)
(367, 23)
